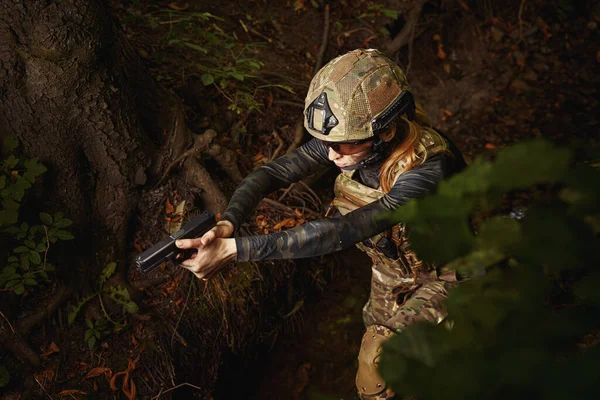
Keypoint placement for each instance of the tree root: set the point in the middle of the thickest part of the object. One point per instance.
(226, 160)
(14, 340)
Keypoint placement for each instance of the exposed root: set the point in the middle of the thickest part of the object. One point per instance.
(14, 340)
(280, 145)
(226, 160)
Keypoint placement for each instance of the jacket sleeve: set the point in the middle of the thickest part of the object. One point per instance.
(294, 166)
(329, 235)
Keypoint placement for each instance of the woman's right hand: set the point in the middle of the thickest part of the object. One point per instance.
(223, 229)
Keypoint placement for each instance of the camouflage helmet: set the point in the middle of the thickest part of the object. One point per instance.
(356, 96)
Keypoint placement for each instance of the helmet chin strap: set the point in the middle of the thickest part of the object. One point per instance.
(378, 152)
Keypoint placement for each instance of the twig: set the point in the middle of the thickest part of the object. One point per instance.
(286, 192)
(323, 41)
(7, 321)
(277, 204)
(521, 8)
(47, 246)
(176, 161)
(298, 136)
(182, 311)
(279, 146)
(312, 192)
(44, 389)
(175, 387)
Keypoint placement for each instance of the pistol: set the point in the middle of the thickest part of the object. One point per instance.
(165, 250)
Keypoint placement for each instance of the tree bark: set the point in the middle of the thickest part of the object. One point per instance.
(76, 96)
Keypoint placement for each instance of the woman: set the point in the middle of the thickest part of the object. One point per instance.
(363, 118)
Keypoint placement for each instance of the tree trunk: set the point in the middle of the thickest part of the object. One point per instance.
(75, 95)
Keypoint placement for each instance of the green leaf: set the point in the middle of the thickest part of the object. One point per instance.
(2, 181)
(19, 289)
(64, 235)
(207, 79)
(46, 218)
(528, 163)
(107, 272)
(63, 223)
(35, 258)
(43, 274)
(238, 76)
(89, 323)
(91, 342)
(10, 162)
(8, 271)
(75, 310)
(58, 216)
(4, 376)
(10, 204)
(35, 167)
(196, 47)
(30, 282)
(131, 308)
(21, 249)
(13, 283)
(40, 247)
(88, 334)
(30, 243)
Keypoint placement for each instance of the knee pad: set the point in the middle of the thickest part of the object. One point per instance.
(369, 383)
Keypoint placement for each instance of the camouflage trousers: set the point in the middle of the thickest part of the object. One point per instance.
(388, 311)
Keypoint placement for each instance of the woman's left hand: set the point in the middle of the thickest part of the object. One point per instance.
(209, 258)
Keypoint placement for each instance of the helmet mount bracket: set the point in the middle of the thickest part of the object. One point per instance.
(319, 115)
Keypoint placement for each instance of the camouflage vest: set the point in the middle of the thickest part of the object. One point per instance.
(391, 248)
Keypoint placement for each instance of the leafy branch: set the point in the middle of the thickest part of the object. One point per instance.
(118, 294)
(514, 324)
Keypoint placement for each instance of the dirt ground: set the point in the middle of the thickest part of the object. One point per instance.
(488, 73)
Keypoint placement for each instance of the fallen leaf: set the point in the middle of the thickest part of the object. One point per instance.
(178, 7)
(441, 53)
(447, 112)
(286, 223)
(490, 146)
(99, 371)
(137, 246)
(169, 208)
(51, 348)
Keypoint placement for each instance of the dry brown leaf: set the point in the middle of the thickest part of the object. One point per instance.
(169, 208)
(51, 348)
(286, 223)
(441, 53)
(99, 371)
(299, 5)
(178, 7)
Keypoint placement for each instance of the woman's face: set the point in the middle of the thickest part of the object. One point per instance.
(349, 154)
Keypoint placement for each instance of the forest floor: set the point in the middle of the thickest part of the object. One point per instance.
(487, 76)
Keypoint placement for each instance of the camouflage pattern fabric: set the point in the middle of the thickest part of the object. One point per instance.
(359, 86)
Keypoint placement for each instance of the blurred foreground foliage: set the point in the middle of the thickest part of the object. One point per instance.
(525, 324)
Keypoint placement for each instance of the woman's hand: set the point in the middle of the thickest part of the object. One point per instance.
(214, 250)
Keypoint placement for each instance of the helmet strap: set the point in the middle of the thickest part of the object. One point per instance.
(378, 153)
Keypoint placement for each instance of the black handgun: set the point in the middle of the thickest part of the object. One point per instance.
(165, 250)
